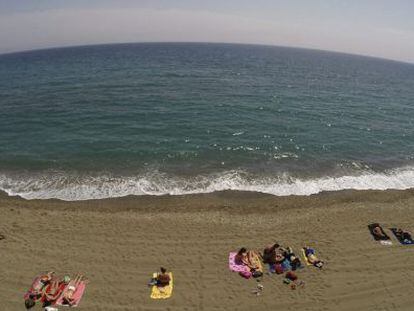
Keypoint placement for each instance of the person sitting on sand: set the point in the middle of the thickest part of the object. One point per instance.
(270, 254)
(70, 290)
(293, 259)
(163, 279)
(247, 258)
(310, 255)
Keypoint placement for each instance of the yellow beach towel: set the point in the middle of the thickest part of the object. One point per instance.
(306, 258)
(257, 262)
(162, 292)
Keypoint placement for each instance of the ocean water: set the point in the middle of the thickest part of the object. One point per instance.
(166, 118)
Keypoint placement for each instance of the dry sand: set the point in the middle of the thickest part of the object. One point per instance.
(118, 243)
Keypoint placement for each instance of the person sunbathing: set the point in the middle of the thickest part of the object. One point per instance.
(52, 292)
(247, 258)
(160, 279)
(403, 235)
(36, 291)
(312, 258)
(68, 293)
(377, 232)
(39, 285)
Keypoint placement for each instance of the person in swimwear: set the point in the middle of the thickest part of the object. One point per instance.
(379, 233)
(36, 291)
(247, 258)
(310, 255)
(53, 291)
(70, 290)
(37, 288)
(403, 235)
(163, 279)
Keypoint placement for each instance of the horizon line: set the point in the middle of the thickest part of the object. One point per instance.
(204, 42)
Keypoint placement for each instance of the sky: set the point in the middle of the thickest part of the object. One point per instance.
(382, 28)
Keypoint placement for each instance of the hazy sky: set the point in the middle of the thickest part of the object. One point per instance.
(383, 28)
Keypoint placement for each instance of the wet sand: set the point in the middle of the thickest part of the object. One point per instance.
(118, 243)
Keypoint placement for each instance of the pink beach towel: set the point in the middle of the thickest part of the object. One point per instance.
(77, 295)
(243, 270)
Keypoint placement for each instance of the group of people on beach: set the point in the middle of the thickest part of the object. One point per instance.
(51, 290)
(378, 233)
(248, 263)
(276, 257)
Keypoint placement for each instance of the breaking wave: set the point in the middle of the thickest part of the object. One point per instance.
(74, 187)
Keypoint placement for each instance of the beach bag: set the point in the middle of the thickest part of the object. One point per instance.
(278, 268)
(291, 276)
(245, 274)
(257, 274)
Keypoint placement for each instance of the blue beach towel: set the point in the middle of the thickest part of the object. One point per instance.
(286, 265)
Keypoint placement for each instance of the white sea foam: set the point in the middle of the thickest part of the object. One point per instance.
(72, 187)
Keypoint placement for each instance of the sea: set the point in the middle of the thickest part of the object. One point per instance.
(94, 122)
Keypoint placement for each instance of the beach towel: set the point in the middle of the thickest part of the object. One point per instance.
(162, 292)
(286, 265)
(235, 267)
(272, 267)
(308, 263)
(400, 239)
(385, 240)
(77, 295)
(258, 263)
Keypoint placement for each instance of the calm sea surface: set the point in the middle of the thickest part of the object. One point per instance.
(106, 121)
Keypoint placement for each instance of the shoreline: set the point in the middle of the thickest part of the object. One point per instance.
(80, 188)
(216, 200)
(117, 243)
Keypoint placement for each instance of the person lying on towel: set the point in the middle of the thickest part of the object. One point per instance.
(403, 235)
(36, 291)
(53, 291)
(312, 258)
(160, 279)
(70, 290)
(377, 231)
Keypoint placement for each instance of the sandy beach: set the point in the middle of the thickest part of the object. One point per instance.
(118, 243)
